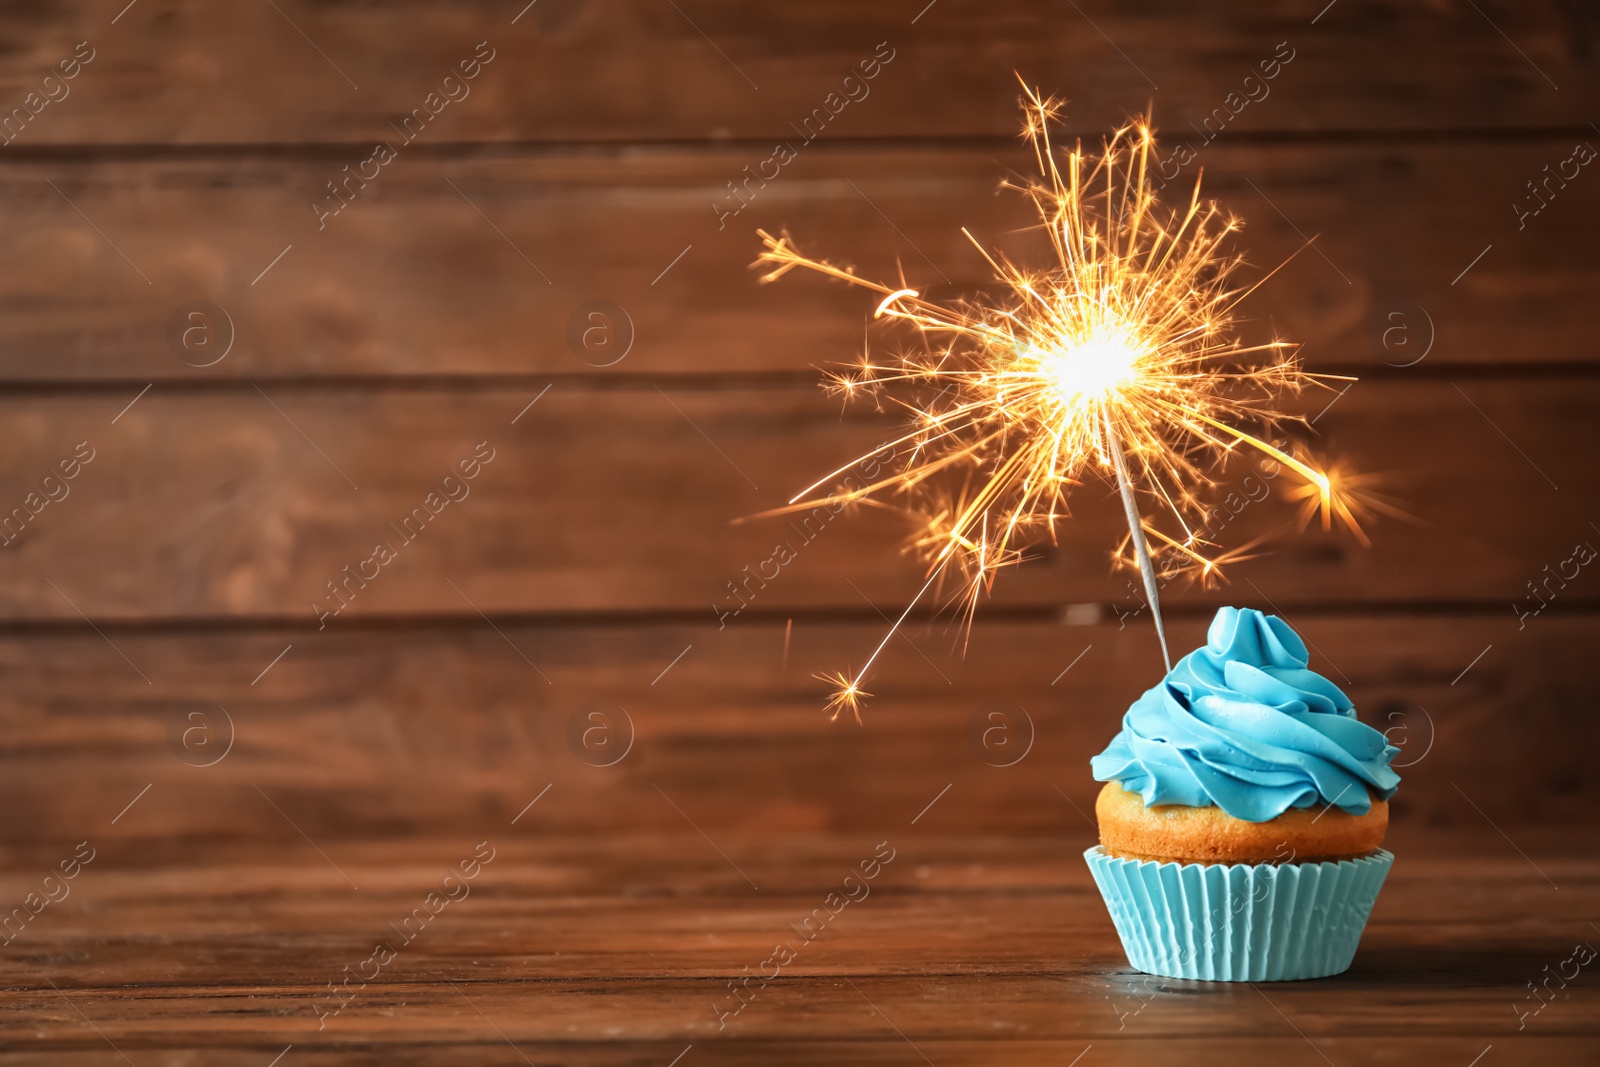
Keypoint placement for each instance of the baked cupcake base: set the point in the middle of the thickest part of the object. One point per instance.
(1262, 922)
(1173, 832)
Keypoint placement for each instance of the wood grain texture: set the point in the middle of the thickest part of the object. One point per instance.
(1001, 942)
(479, 266)
(890, 1049)
(248, 503)
(552, 663)
(173, 72)
(399, 731)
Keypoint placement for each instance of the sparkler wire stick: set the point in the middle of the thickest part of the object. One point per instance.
(1141, 549)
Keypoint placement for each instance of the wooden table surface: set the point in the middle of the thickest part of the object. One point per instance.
(964, 949)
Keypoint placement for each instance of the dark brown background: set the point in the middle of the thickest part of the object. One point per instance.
(378, 351)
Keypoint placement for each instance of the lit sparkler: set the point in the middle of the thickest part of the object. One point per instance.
(1116, 360)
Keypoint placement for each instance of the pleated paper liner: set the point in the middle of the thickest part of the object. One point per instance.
(1240, 922)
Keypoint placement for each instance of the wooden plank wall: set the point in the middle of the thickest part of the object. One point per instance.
(368, 352)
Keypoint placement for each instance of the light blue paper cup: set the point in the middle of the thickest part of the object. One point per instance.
(1239, 922)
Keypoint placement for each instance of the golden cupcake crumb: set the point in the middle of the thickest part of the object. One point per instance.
(1177, 833)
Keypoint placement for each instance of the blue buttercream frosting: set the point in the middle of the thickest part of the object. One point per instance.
(1242, 724)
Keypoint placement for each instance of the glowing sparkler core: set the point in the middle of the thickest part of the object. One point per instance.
(1089, 372)
(1115, 361)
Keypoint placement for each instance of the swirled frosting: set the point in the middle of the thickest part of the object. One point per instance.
(1242, 724)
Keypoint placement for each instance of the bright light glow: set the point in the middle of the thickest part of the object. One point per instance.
(1125, 338)
(1092, 370)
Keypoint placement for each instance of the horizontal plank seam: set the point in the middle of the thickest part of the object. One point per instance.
(187, 1040)
(93, 152)
(289, 992)
(180, 625)
(806, 380)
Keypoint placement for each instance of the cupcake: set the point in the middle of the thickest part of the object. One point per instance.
(1243, 813)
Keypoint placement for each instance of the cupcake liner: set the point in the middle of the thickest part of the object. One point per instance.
(1239, 922)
